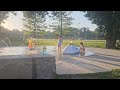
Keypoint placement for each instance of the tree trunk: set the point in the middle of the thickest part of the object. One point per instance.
(110, 44)
(111, 37)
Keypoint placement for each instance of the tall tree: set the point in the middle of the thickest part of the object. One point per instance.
(34, 21)
(109, 22)
(63, 20)
(4, 15)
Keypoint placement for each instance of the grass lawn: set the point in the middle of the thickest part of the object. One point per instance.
(101, 75)
(87, 43)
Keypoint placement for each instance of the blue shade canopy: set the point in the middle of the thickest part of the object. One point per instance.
(71, 49)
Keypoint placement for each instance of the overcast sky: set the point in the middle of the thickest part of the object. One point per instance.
(15, 22)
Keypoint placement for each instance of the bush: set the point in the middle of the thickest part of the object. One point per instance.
(117, 44)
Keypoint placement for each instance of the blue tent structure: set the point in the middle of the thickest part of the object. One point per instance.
(71, 49)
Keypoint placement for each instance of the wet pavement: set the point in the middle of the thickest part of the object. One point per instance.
(95, 59)
(37, 50)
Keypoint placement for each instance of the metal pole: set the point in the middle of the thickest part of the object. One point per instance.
(78, 30)
(35, 27)
(78, 34)
(61, 24)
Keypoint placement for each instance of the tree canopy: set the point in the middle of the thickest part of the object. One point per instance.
(34, 21)
(4, 15)
(63, 21)
(107, 21)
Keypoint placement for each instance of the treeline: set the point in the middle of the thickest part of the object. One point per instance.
(70, 33)
(15, 37)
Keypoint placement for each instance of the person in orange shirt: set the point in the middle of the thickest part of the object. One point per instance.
(30, 44)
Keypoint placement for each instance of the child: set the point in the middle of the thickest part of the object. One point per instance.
(82, 49)
(30, 44)
(59, 43)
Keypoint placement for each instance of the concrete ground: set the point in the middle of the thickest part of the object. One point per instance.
(102, 60)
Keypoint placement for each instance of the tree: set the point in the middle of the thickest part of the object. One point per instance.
(109, 22)
(34, 21)
(63, 21)
(100, 34)
(15, 36)
(85, 33)
(4, 15)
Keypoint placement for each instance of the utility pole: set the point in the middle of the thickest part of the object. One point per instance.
(78, 34)
(61, 24)
(35, 27)
(78, 31)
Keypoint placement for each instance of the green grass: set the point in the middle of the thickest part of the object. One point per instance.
(101, 75)
(53, 42)
(87, 43)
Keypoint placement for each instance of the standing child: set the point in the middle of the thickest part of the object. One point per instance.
(82, 49)
(30, 44)
(59, 43)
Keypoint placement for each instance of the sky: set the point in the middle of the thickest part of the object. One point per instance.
(15, 22)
